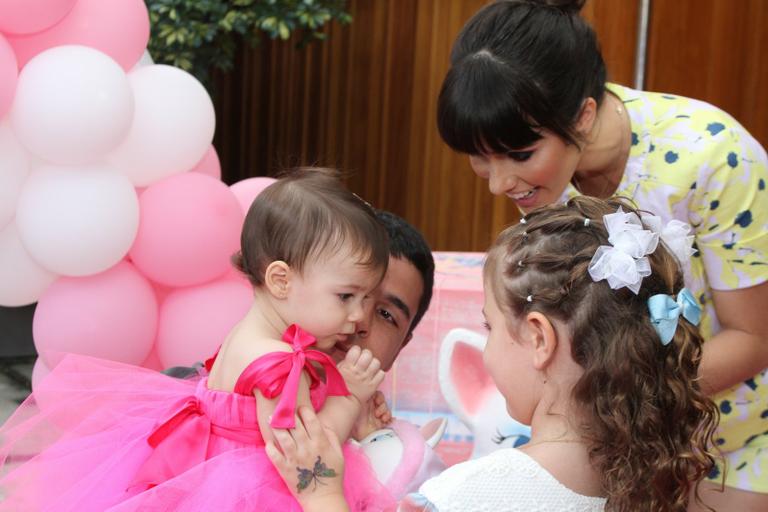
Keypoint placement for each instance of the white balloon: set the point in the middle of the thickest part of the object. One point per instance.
(73, 105)
(172, 128)
(14, 167)
(22, 280)
(77, 222)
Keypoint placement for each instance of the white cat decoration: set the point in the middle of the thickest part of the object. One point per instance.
(472, 395)
(402, 455)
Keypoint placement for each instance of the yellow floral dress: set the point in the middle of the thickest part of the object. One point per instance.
(693, 162)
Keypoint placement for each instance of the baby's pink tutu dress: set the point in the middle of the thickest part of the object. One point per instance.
(99, 435)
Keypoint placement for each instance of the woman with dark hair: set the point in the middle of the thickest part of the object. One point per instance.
(526, 98)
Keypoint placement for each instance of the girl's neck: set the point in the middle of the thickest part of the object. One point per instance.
(606, 152)
(554, 422)
(264, 317)
(558, 447)
(556, 417)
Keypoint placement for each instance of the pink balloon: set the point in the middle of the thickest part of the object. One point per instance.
(39, 372)
(161, 291)
(111, 315)
(27, 16)
(247, 190)
(236, 275)
(9, 74)
(195, 321)
(188, 230)
(119, 28)
(153, 362)
(209, 164)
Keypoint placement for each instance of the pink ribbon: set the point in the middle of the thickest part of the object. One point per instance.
(273, 382)
(181, 441)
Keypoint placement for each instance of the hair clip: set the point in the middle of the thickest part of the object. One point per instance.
(366, 203)
(665, 312)
(529, 298)
(586, 222)
(624, 262)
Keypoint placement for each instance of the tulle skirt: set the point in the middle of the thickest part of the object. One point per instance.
(79, 441)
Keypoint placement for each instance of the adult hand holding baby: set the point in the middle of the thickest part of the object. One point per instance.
(310, 460)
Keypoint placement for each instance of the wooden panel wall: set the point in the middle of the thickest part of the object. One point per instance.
(365, 100)
(714, 50)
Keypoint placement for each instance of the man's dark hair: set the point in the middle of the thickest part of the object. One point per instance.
(407, 242)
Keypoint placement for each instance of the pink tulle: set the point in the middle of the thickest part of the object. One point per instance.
(80, 443)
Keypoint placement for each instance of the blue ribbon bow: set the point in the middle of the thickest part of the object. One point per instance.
(665, 312)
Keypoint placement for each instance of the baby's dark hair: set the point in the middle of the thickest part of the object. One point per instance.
(516, 67)
(306, 214)
(648, 424)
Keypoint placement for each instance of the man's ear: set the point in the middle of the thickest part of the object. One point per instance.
(587, 117)
(277, 279)
(543, 338)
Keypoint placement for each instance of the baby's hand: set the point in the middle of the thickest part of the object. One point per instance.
(362, 373)
(380, 409)
(374, 416)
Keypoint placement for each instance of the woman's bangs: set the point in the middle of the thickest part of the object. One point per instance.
(477, 114)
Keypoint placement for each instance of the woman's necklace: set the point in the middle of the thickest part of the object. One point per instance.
(608, 184)
(543, 441)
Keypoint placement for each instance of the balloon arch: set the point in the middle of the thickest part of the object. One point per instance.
(113, 215)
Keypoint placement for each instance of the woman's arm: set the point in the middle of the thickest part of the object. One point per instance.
(740, 350)
(310, 461)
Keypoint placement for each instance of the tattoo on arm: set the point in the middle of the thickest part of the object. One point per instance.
(314, 476)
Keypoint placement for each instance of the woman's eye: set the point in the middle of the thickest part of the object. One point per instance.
(520, 156)
(345, 296)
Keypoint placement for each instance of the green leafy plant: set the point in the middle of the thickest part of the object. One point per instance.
(201, 35)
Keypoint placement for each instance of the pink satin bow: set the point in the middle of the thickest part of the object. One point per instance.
(178, 444)
(181, 441)
(273, 381)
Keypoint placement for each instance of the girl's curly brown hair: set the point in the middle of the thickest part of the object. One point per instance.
(648, 425)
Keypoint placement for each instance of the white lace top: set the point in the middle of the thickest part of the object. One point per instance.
(503, 481)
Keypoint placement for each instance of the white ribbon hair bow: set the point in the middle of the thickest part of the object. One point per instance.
(624, 262)
(676, 235)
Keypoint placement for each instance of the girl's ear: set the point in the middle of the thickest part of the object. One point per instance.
(587, 116)
(277, 279)
(543, 338)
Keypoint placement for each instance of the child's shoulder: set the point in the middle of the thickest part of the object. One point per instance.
(238, 353)
(524, 484)
(245, 348)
